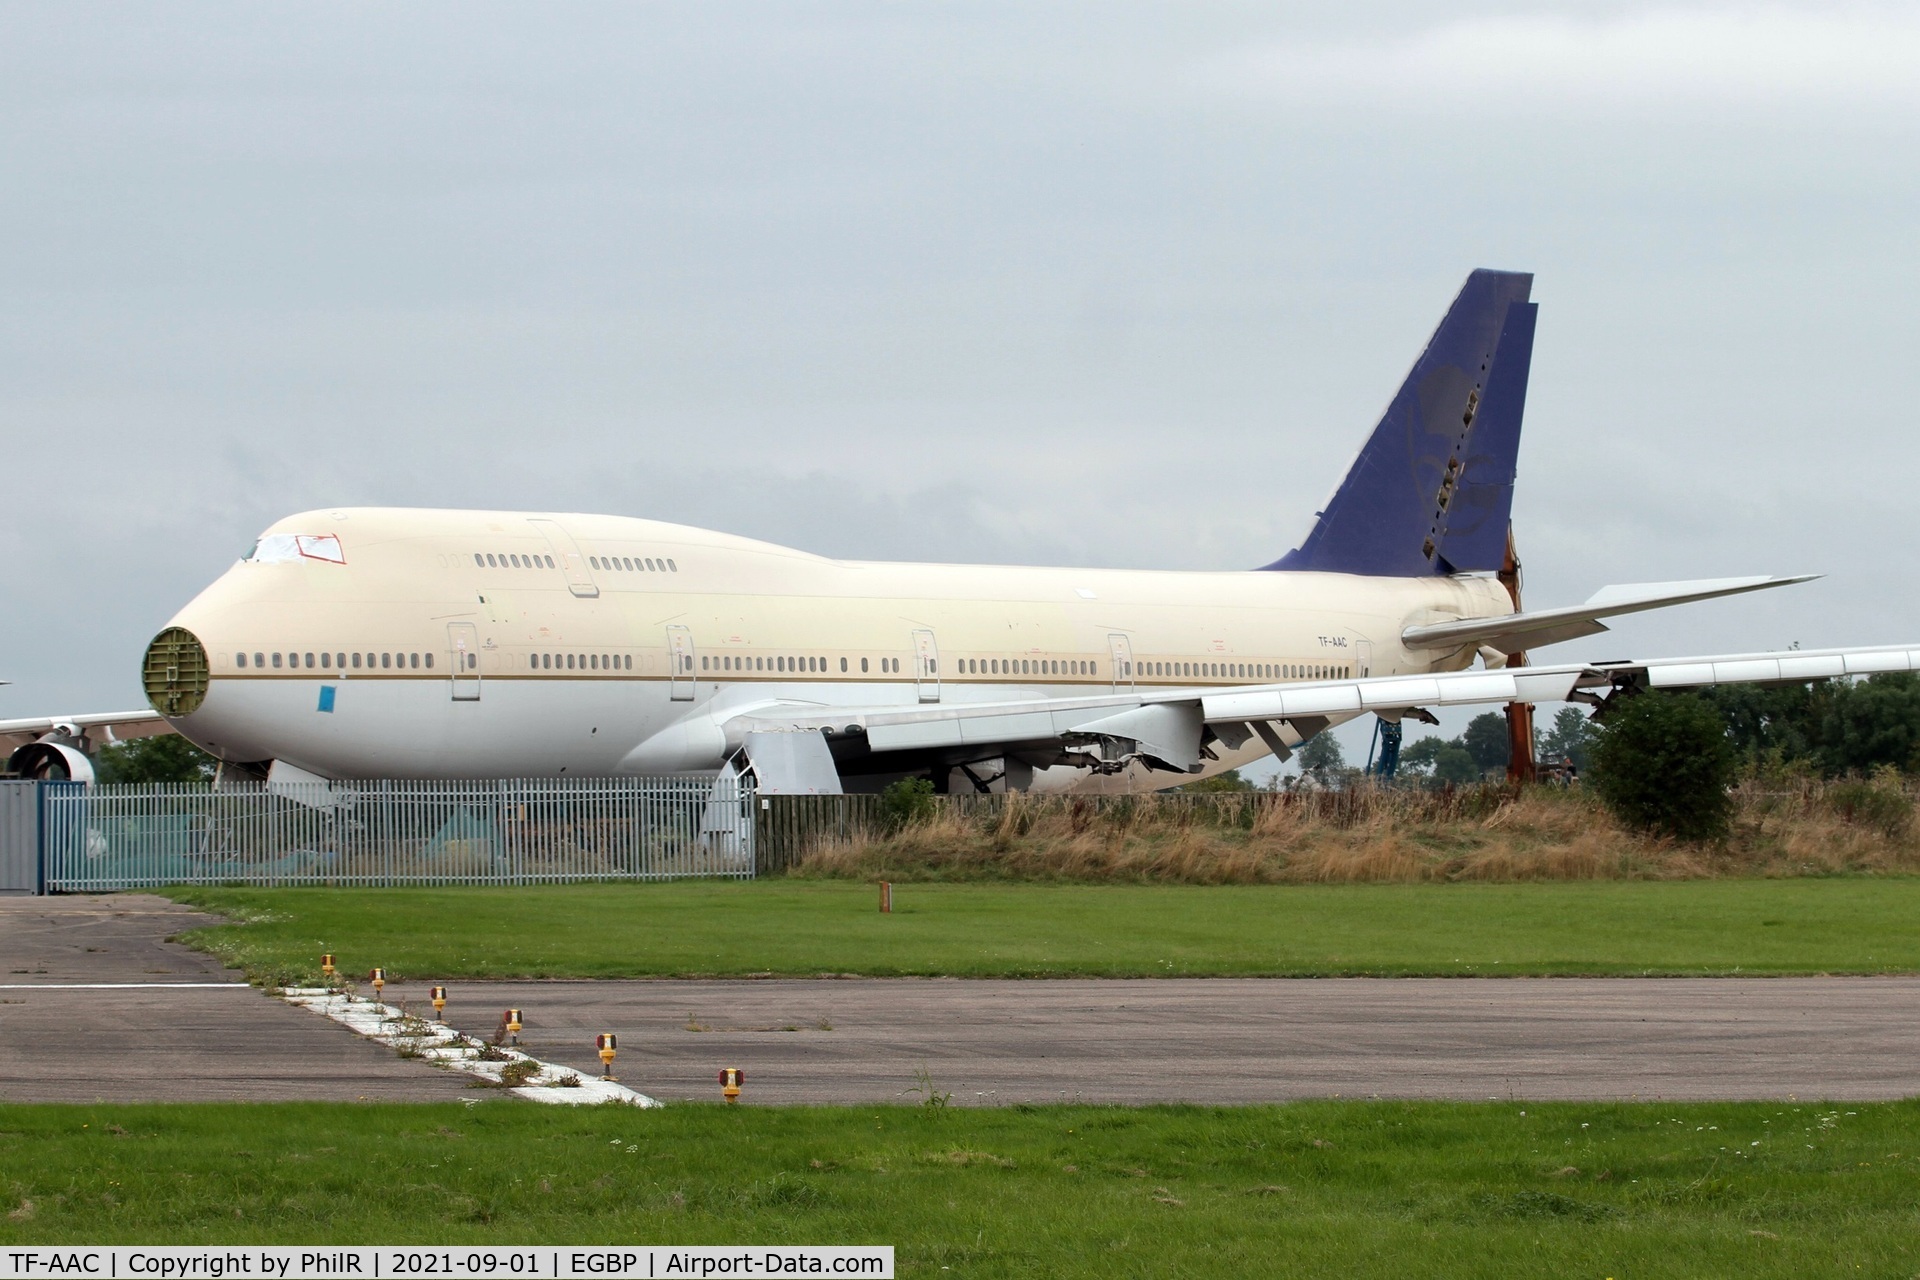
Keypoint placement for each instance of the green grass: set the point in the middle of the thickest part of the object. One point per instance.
(1341, 1189)
(1850, 925)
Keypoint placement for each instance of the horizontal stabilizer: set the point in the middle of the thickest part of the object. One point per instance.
(1514, 632)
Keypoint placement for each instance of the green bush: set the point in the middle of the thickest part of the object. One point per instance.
(1838, 727)
(166, 757)
(1228, 782)
(906, 802)
(1663, 764)
(1881, 804)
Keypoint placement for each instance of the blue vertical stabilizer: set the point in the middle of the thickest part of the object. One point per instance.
(1432, 489)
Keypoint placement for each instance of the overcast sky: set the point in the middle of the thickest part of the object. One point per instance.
(1085, 284)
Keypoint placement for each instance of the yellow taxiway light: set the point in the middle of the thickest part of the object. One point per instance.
(606, 1043)
(379, 979)
(326, 966)
(439, 995)
(731, 1078)
(511, 1021)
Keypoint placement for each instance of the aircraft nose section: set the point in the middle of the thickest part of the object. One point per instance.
(175, 672)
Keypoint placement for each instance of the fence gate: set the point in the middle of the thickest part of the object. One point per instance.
(19, 837)
(463, 641)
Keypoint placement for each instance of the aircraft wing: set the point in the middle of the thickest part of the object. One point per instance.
(1173, 729)
(102, 727)
(1515, 632)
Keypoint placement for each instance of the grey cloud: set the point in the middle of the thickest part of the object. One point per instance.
(1009, 284)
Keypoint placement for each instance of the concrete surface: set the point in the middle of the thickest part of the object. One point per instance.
(1227, 1040)
(63, 1038)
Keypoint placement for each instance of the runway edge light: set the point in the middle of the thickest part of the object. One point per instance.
(606, 1043)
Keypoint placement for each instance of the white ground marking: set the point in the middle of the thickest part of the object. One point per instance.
(116, 985)
(442, 1044)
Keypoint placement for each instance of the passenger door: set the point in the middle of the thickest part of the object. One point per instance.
(926, 666)
(566, 553)
(463, 644)
(1120, 653)
(679, 664)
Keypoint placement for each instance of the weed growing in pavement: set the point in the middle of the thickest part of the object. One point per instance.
(932, 1098)
(518, 1073)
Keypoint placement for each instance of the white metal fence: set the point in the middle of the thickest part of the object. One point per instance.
(398, 832)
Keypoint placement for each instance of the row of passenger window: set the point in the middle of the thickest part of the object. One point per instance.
(1027, 667)
(631, 564)
(1245, 670)
(1049, 667)
(582, 661)
(634, 564)
(338, 661)
(809, 664)
(816, 665)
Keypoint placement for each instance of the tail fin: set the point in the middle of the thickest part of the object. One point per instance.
(1432, 489)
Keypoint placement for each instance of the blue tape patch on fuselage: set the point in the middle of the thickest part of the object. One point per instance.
(326, 697)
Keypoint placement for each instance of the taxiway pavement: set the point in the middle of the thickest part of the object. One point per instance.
(1226, 1039)
(87, 1013)
(97, 1006)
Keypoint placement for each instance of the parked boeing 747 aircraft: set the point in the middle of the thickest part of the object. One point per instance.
(364, 643)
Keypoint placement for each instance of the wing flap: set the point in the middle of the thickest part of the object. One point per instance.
(1873, 663)
(1163, 722)
(793, 763)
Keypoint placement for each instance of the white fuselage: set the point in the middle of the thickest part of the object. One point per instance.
(494, 644)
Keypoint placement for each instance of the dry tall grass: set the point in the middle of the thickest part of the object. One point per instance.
(1486, 833)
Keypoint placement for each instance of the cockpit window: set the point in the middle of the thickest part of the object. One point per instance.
(278, 548)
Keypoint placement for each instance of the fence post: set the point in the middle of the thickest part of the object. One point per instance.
(40, 839)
